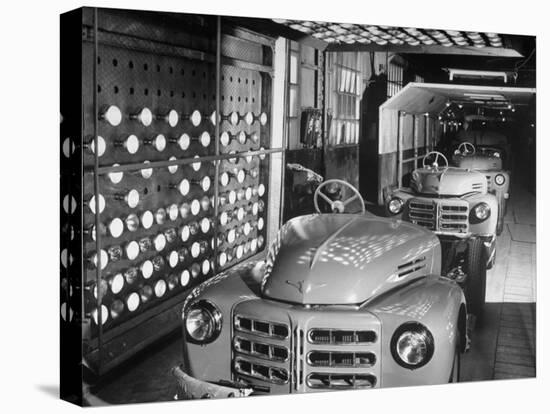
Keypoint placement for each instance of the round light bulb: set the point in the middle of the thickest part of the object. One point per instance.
(183, 141)
(196, 118)
(172, 168)
(205, 183)
(185, 277)
(132, 199)
(224, 138)
(172, 118)
(195, 207)
(234, 118)
(147, 219)
(91, 204)
(132, 250)
(146, 172)
(205, 225)
(160, 242)
(184, 233)
(261, 190)
(116, 177)
(241, 137)
(222, 259)
(173, 212)
(260, 223)
(145, 117)
(232, 197)
(205, 267)
(196, 165)
(132, 144)
(205, 139)
(159, 142)
(195, 249)
(116, 227)
(160, 288)
(101, 145)
(249, 118)
(241, 176)
(117, 283)
(184, 210)
(224, 179)
(113, 115)
(146, 269)
(183, 187)
(132, 301)
(173, 259)
(263, 118)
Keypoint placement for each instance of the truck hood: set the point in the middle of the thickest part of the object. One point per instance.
(478, 162)
(344, 259)
(448, 181)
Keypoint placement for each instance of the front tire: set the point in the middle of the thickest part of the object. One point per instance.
(476, 281)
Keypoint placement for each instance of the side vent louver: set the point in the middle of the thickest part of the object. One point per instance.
(412, 266)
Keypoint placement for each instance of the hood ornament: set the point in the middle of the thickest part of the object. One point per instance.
(298, 285)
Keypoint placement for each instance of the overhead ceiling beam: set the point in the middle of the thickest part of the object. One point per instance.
(426, 49)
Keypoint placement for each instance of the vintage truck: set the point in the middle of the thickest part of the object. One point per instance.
(341, 301)
(455, 204)
(489, 161)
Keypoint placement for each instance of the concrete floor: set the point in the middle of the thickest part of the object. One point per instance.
(503, 347)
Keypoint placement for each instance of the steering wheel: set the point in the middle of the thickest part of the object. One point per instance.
(435, 163)
(337, 206)
(466, 148)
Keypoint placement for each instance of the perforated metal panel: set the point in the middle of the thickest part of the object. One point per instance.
(177, 203)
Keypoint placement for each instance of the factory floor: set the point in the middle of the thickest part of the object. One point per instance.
(502, 347)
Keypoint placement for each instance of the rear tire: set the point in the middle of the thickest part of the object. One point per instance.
(476, 281)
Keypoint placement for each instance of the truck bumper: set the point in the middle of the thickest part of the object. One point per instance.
(193, 388)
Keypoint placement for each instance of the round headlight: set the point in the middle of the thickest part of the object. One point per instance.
(496, 154)
(481, 212)
(395, 205)
(203, 322)
(500, 179)
(412, 345)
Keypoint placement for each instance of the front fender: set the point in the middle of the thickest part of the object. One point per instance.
(489, 226)
(436, 302)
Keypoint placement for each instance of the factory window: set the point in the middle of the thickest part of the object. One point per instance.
(345, 86)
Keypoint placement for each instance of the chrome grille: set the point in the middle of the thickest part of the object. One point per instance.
(440, 215)
(256, 340)
(423, 213)
(261, 371)
(454, 218)
(341, 359)
(260, 349)
(340, 381)
(262, 328)
(340, 337)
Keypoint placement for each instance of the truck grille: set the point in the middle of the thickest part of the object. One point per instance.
(450, 216)
(298, 350)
